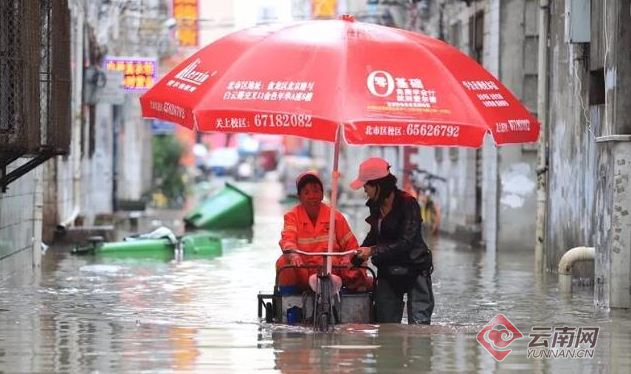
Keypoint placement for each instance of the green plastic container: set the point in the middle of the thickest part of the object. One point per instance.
(140, 245)
(141, 249)
(196, 245)
(201, 245)
(230, 208)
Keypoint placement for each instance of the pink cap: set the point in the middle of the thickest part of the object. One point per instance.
(371, 169)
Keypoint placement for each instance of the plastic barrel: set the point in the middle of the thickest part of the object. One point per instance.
(230, 208)
(159, 249)
(200, 245)
(139, 245)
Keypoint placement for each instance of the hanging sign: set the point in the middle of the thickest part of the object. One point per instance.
(139, 73)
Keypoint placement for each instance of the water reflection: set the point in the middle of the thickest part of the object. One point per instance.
(90, 313)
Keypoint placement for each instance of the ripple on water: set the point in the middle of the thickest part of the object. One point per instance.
(107, 269)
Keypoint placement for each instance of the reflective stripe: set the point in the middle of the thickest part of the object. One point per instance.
(298, 231)
(317, 239)
(346, 238)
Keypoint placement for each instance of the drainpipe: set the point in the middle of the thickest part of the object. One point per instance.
(542, 152)
(80, 41)
(38, 215)
(568, 260)
(68, 221)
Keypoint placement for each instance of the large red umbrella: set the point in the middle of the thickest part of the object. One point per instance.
(316, 79)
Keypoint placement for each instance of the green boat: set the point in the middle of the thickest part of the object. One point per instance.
(230, 208)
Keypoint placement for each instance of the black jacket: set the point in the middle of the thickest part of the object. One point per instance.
(400, 240)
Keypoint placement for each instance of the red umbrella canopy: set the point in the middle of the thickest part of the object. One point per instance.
(385, 85)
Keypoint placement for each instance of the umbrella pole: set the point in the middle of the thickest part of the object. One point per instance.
(335, 176)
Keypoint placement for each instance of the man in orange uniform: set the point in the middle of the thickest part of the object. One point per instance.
(306, 228)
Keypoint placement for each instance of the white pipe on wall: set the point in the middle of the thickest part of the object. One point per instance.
(568, 260)
(574, 255)
(542, 157)
(69, 221)
(38, 215)
(79, 38)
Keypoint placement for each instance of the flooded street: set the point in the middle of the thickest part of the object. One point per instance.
(99, 314)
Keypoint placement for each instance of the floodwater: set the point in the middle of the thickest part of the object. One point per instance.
(89, 314)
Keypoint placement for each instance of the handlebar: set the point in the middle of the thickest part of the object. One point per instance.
(437, 178)
(327, 254)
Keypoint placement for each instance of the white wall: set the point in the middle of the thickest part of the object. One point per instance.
(20, 226)
(99, 180)
(134, 162)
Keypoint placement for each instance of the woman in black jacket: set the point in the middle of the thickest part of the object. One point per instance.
(396, 246)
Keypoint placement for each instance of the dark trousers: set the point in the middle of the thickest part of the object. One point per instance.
(389, 298)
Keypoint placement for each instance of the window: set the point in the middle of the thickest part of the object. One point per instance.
(476, 36)
(438, 154)
(34, 83)
(454, 34)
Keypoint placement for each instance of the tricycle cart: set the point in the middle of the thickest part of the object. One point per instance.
(320, 306)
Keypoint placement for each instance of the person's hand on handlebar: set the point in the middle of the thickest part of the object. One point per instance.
(364, 252)
(294, 259)
(361, 256)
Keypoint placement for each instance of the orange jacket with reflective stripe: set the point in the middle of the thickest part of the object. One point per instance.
(300, 233)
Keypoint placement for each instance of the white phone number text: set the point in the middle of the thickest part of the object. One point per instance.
(282, 120)
(416, 129)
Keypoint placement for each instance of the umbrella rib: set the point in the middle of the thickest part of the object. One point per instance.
(343, 80)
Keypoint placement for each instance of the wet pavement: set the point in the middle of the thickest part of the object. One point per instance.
(105, 314)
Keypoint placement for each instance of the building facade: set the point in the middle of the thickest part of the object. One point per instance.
(90, 154)
(34, 123)
(588, 132)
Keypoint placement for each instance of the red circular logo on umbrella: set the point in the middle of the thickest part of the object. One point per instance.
(498, 334)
